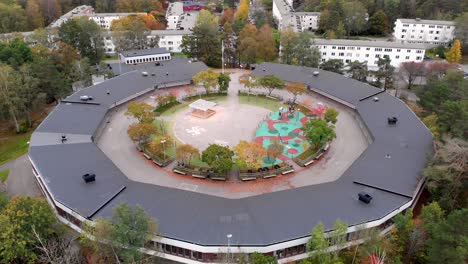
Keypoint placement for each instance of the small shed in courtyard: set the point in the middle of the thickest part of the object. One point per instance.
(202, 108)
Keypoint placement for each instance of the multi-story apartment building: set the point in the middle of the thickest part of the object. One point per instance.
(77, 11)
(369, 51)
(104, 20)
(417, 30)
(173, 13)
(298, 21)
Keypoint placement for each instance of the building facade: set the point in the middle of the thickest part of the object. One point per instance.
(417, 30)
(173, 13)
(104, 20)
(369, 51)
(145, 55)
(286, 17)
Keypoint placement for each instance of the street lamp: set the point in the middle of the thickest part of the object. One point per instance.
(229, 236)
(164, 150)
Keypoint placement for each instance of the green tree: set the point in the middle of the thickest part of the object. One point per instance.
(318, 245)
(378, 23)
(186, 152)
(223, 81)
(331, 115)
(204, 43)
(357, 70)
(385, 73)
(259, 258)
(11, 100)
(296, 48)
(333, 65)
(274, 150)
(208, 79)
(318, 132)
(20, 217)
(218, 157)
(248, 45)
(453, 118)
(15, 53)
(12, 18)
(141, 111)
(461, 30)
(271, 82)
(35, 17)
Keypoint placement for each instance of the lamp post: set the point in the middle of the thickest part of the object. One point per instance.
(164, 150)
(229, 236)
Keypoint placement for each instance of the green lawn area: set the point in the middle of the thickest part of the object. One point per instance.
(181, 107)
(179, 54)
(13, 147)
(261, 101)
(4, 175)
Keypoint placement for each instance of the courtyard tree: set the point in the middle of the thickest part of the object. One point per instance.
(385, 73)
(186, 152)
(318, 132)
(357, 70)
(223, 81)
(333, 65)
(208, 79)
(296, 49)
(218, 157)
(248, 45)
(131, 32)
(18, 243)
(129, 230)
(331, 115)
(142, 132)
(268, 50)
(454, 55)
(249, 82)
(271, 82)
(274, 150)
(296, 89)
(259, 258)
(250, 154)
(318, 245)
(410, 70)
(141, 111)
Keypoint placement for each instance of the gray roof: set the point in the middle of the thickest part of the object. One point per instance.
(144, 52)
(368, 43)
(426, 21)
(205, 220)
(203, 105)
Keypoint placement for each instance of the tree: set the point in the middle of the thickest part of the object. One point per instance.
(271, 82)
(447, 241)
(105, 6)
(142, 132)
(250, 154)
(378, 23)
(242, 11)
(218, 157)
(409, 237)
(274, 150)
(208, 79)
(141, 111)
(296, 48)
(223, 81)
(18, 243)
(34, 15)
(357, 70)
(331, 115)
(318, 245)
(333, 65)
(454, 55)
(15, 53)
(51, 10)
(461, 30)
(410, 70)
(85, 36)
(230, 45)
(146, 6)
(385, 72)
(288, 42)
(204, 42)
(259, 258)
(186, 152)
(296, 89)
(265, 40)
(132, 32)
(129, 230)
(248, 44)
(355, 17)
(318, 132)
(227, 17)
(12, 18)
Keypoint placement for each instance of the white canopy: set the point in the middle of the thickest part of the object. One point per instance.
(203, 105)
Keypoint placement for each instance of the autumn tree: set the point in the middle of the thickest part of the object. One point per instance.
(208, 79)
(13, 18)
(51, 9)
(146, 6)
(410, 70)
(378, 23)
(271, 82)
(186, 152)
(218, 157)
(274, 150)
(248, 45)
(242, 11)
(141, 111)
(296, 89)
(18, 243)
(318, 132)
(454, 55)
(142, 132)
(250, 154)
(34, 15)
(265, 40)
(228, 16)
(131, 32)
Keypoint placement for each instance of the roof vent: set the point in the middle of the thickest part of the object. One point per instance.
(144, 74)
(316, 73)
(167, 73)
(153, 74)
(86, 98)
(63, 138)
(388, 156)
(89, 177)
(418, 19)
(263, 69)
(108, 92)
(365, 197)
(376, 99)
(392, 120)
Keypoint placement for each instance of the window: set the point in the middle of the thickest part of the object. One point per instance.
(404, 30)
(388, 50)
(412, 36)
(367, 55)
(333, 53)
(437, 32)
(324, 53)
(348, 61)
(349, 54)
(333, 47)
(398, 50)
(358, 48)
(323, 60)
(350, 48)
(407, 58)
(431, 31)
(170, 43)
(419, 51)
(367, 48)
(408, 51)
(402, 36)
(431, 26)
(377, 55)
(341, 54)
(418, 58)
(341, 48)
(357, 55)
(397, 56)
(378, 49)
(406, 25)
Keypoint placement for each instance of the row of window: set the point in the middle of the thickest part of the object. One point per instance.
(422, 31)
(375, 49)
(150, 59)
(430, 26)
(421, 37)
(342, 54)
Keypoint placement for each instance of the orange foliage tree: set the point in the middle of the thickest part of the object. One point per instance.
(250, 154)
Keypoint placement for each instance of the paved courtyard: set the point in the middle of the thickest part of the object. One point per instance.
(233, 122)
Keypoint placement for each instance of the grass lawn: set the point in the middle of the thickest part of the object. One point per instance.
(14, 146)
(181, 107)
(261, 101)
(4, 175)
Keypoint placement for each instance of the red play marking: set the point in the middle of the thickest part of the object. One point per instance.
(292, 151)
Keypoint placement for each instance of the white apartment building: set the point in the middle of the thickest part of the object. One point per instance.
(104, 20)
(309, 20)
(77, 11)
(145, 55)
(417, 30)
(173, 13)
(369, 51)
(298, 21)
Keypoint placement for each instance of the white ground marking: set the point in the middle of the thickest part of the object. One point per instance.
(188, 187)
(195, 131)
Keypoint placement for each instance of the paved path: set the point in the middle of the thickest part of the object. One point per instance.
(347, 147)
(21, 178)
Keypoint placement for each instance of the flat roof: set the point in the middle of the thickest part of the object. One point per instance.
(368, 43)
(144, 52)
(389, 169)
(203, 105)
(426, 21)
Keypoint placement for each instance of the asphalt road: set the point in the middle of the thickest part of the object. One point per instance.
(21, 178)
